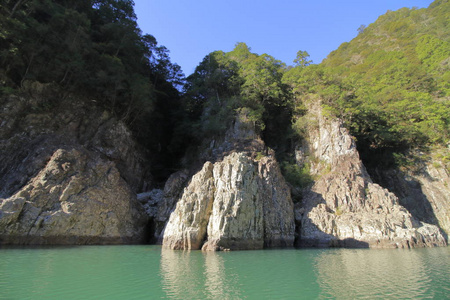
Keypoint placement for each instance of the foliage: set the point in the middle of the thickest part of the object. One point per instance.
(296, 175)
(224, 83)
(302, 59)
(391, 83)
(93, 48)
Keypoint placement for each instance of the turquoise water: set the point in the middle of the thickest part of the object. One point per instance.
(148, 272)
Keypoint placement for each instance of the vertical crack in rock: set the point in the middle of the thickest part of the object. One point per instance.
(244, 204)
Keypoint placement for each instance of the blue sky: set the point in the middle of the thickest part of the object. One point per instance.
(192, 29)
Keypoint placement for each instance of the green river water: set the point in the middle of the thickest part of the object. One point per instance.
(148, 272)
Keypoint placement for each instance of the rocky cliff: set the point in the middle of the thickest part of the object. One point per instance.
(423, 190)
(69, 172)
(344, 207)
(239, 202)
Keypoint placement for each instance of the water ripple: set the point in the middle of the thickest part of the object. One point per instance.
(147, 272)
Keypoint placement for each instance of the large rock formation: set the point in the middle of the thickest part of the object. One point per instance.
(239, 202)
(69, 172)
(424, 191)
(344, 207)
(75, 199)
(35, 125)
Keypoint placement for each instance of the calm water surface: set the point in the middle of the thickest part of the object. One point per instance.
(148, 272)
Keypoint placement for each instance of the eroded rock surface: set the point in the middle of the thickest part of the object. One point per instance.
(425, 192)
(33, 127)
(69, 172)
(344, 207)
(237, 203)
(77, 198)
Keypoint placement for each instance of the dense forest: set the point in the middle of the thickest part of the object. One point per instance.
(390, 85)
(95, 50)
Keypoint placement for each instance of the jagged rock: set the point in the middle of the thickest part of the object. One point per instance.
(172, 192)
(33, 127)
(186, 228)
(150, 201)
(69, 171)
(425, 192)
(238, 203)
(237, 218)
(344, 207)
(77, 198)
(241, 136)
(279, 225)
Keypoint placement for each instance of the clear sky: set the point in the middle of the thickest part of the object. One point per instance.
(192, 29)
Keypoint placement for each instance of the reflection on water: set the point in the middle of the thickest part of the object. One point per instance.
(307, 274)
(194, 274)
(147, 272)
(381, 274)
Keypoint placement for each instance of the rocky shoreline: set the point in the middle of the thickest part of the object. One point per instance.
(75, 176)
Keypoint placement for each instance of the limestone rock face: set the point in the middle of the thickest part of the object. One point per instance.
(425, 193)
(344, 207)
(186, 228)
(237, 203)
(278, 207)
(77, 198)
(30, 133)
(237, 215)
(69, 172)
(172, 191)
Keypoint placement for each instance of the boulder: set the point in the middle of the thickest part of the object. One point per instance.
(77, 198)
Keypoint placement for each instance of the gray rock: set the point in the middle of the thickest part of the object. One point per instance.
(69, 172)
(424, 192)
(238, 203)
(78, 198)
(344, 207)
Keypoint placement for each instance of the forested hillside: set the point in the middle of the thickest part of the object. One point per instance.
(390, 84)
(225, 83)
(95, 50)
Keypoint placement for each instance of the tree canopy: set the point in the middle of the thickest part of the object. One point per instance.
(90, 47)
(390, 84)
(225, 83)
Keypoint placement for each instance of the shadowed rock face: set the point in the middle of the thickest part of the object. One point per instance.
(238, 203)
(31, 132)
(68, 174)
(78, 198)
(425, 193)
(344, 207)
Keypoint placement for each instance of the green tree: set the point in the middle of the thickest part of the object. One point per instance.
(302, 59)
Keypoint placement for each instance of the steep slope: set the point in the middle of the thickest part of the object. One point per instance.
(389, 86)
(423, 189)
(343, 207)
